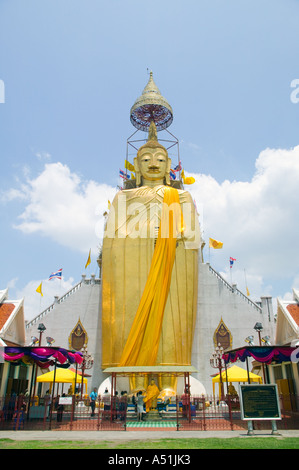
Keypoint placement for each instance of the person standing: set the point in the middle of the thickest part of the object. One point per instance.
(93, 396)
(140, 405)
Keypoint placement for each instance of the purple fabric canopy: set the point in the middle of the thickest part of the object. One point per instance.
(43, 357)
(265, 354)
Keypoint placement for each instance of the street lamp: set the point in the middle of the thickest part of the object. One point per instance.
(249, 340)
(50, 341)
(41, 328)
(259, 327)
(217, 362)
(86, 364)
(266, 340)
(34, 341)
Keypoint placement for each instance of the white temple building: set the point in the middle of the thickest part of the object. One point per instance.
(224, 315)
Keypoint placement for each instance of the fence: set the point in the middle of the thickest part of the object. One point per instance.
(199, 414)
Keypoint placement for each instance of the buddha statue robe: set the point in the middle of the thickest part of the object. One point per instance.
(131, 234)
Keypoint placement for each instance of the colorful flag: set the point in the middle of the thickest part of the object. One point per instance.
(56, 275)
(109, 205)
(123, 174)
(188, 179)
(247, 291)
(88, 260)
(129, 166)
(231, 261)
(178, 167)
(172, 175)
(39, 289)
(215, 244)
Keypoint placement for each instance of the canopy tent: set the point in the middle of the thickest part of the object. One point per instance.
(130, 371)
(62, 376)
(264, 354)
(42, 357)
(235, 374)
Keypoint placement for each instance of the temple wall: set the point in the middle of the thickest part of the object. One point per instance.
(216, 299)
(62, 316)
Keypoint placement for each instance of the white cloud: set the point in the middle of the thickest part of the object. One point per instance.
(34, 303)
(43, 156)
(63, 207)
(258, 220)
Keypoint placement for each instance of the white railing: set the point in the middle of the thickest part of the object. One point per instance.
(59, 300)
(233, 289)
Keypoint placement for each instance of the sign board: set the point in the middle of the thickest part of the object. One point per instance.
(259, 402)
(65, 400)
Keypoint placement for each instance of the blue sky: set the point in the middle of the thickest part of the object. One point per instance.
(72, 70)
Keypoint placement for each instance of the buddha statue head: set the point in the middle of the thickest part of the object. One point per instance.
(152, 164)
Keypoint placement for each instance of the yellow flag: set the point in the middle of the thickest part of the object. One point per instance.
(88, 260)
(129, 166)
(247, 291)
(215, 244)
(39, 289)
(109, 205)
(187, 179)
(132, 176)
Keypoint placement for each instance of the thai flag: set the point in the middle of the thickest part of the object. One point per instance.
(56, 275)
(178, 167)
(172, 175)
(122, 174)
(231, 261)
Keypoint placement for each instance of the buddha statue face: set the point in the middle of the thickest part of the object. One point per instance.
(153, 164)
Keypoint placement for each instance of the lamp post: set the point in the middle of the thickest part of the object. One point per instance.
(258, 327)
(86, 364)
(41, 328)
(217, 362)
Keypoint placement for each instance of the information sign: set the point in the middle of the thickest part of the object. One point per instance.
(65, 400)
(259, 402)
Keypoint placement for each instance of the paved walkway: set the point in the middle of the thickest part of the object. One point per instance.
(133, 435)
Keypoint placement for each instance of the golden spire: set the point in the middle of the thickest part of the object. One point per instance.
(151, 106)
(152, 132)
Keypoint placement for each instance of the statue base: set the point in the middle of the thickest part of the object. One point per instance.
(152, 415)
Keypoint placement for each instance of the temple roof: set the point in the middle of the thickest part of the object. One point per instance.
(12, 324)
(294, 312)
(287, 326)
(6, 310)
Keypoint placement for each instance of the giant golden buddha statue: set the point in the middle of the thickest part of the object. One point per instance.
(149, 267)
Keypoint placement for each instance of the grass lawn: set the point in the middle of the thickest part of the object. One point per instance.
(193, 443)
